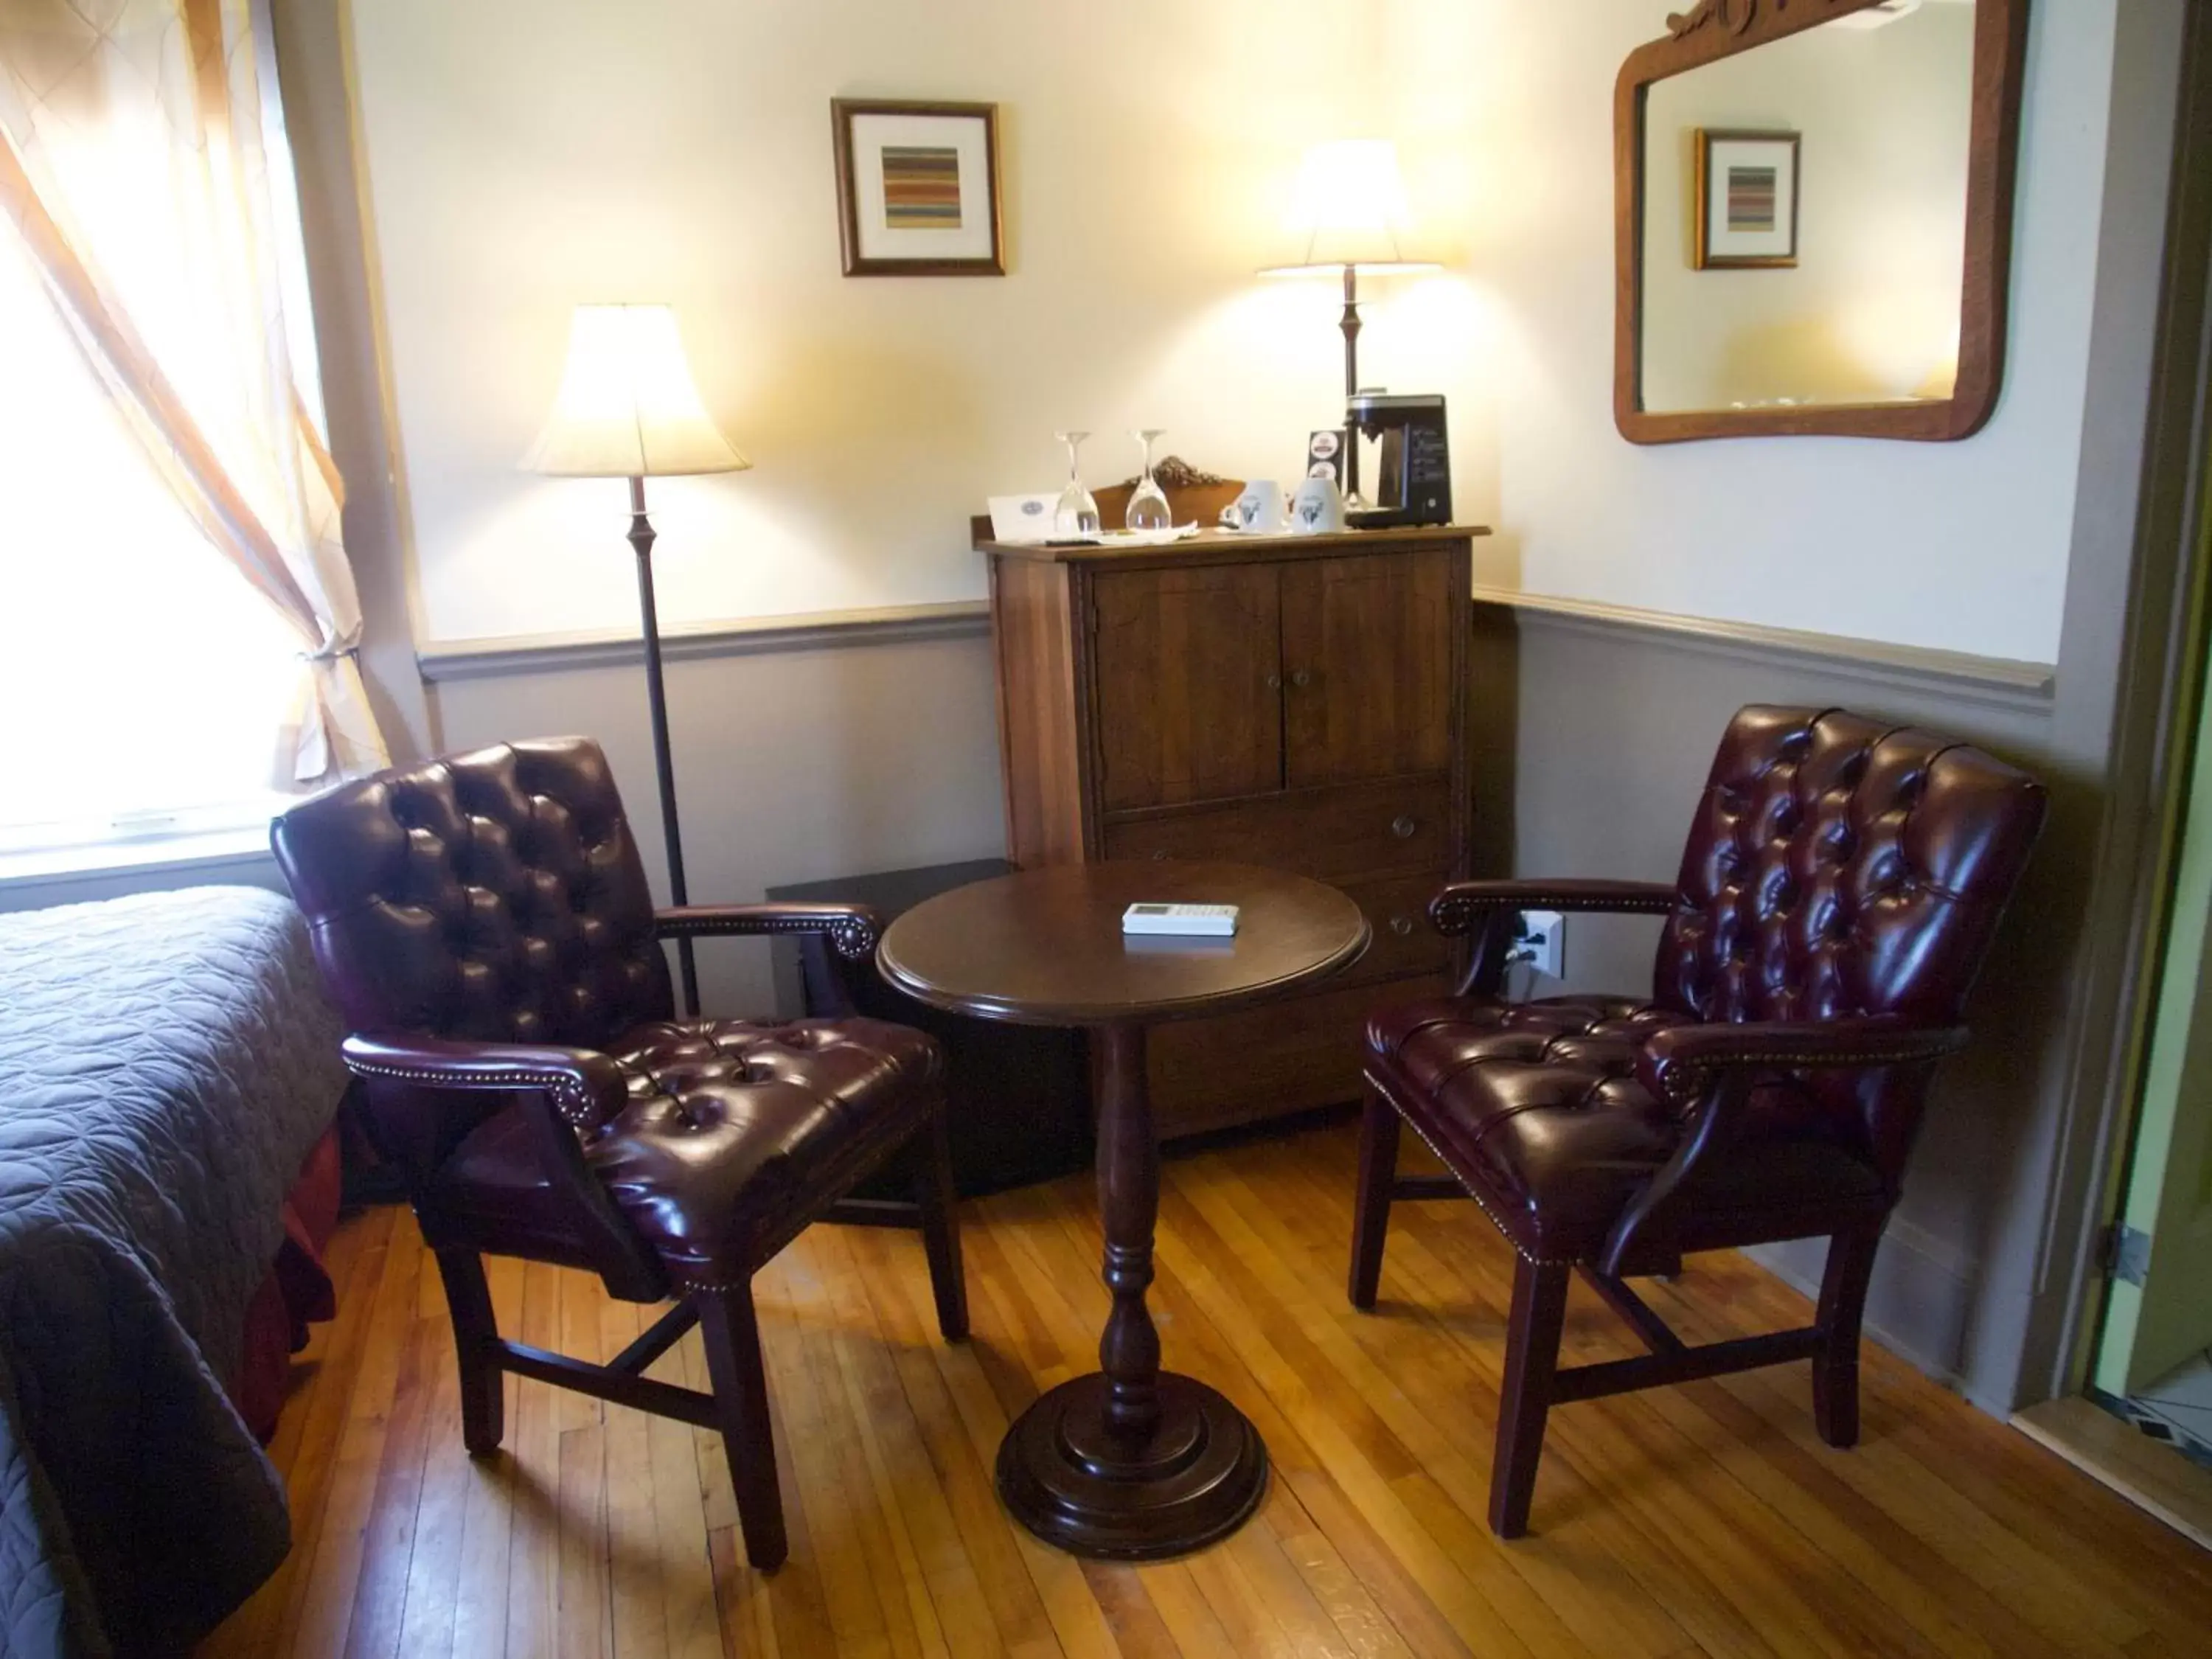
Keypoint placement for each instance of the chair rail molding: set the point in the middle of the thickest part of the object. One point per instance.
(2004, 682)
(813, 630)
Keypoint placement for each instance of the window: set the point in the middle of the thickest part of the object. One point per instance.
(141, 680)
(144, 684)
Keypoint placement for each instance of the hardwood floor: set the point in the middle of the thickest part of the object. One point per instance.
(1706, 1519)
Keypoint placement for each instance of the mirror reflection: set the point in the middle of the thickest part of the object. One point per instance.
(1805, 217)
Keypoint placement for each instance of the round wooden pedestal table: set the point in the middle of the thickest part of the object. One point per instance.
(1131, 1462)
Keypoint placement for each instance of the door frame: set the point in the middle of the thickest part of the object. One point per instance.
(2167, 629)
(2177, 1034)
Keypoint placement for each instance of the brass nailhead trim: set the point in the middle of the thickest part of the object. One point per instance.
(1694, 1073)
(563, 1090)
(1480, 1202)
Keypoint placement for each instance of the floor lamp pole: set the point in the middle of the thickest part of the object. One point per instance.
(1350, 325)
(642, 538)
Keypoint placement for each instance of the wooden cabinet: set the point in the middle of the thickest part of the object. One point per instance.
(1297, 701)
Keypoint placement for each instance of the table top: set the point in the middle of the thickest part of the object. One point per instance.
(1045, 947)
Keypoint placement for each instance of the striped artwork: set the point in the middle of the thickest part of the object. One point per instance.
(922, 188)
(1751, 199)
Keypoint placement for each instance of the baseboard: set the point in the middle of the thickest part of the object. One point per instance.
(1918, 1304)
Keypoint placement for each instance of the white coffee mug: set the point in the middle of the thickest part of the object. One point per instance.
(1259, 509)
(1317, 509)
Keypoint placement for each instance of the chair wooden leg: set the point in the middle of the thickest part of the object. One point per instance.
(732, 1338)
(1371, 1216)
(1836, 1366)
(1531, 1360)
(483, 1394)
(940, 1226)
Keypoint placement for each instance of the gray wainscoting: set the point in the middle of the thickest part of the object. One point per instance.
(817, 749)
(1612, 727)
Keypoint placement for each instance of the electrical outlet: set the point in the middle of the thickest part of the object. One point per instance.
(1541, 943)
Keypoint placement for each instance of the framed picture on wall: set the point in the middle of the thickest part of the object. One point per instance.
(918, 188)
(1746, 197)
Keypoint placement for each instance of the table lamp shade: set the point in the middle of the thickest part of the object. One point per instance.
(627, 407)
(1350, 208)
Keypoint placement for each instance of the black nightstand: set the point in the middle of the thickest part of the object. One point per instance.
(1019, 1095)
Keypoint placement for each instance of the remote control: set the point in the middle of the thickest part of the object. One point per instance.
(1212, 920)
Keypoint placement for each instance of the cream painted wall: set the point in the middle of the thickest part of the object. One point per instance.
(1506, 108)
(527, 155)
(1871, 310)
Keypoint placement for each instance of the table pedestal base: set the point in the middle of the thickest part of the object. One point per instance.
(1193, 1480)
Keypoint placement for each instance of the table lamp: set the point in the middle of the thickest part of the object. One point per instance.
(1351, 204)
(628, 409)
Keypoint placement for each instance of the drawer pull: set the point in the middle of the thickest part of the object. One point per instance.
(1402, 926)
(1404, 826)
(1160, 857)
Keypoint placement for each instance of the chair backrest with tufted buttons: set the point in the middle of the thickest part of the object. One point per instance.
(1840, 866)
(490, 897)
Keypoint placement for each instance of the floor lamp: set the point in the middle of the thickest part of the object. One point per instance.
(628, 409)
(1350, 206)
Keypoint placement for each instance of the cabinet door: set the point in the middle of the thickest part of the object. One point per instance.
(1367, 654)
(1188, 667)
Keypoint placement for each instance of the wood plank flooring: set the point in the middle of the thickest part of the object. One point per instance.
(1706, 1519)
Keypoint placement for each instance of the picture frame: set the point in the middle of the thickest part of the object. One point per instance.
(918, 187)
(1747, 194)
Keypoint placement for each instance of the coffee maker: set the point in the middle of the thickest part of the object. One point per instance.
(1411, 481)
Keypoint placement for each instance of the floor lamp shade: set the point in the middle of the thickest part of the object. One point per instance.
(627, 407)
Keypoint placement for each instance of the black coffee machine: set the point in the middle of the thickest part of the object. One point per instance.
(1413, 460)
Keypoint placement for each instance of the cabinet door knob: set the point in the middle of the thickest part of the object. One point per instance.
(1402, 926)
(1302, 677)
(1274, 682)
(1403, 826)
(1160, 857)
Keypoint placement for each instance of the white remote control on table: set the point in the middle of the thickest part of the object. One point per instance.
(1209, 921)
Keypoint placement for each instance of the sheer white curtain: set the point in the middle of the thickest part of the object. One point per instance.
(136, 180)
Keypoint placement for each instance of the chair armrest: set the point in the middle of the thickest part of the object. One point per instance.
(1680, 1063)
(1461, 906)
(584, 1087)
(1706, 1073)
(852, 928)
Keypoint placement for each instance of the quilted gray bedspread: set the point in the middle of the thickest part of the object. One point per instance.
(165, 1063)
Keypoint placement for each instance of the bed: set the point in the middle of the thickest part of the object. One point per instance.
(168, 1070)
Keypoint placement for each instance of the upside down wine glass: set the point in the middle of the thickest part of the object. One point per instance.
(1148, 503)
(1076, 513)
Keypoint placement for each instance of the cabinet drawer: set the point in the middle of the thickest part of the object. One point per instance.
(1288, 1056)
(1397, 912)
(1352, 829)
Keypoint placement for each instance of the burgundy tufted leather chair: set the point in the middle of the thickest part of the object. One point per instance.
(1839, 889)
(484, 925)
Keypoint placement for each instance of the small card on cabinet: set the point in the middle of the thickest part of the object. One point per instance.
(1021, 518)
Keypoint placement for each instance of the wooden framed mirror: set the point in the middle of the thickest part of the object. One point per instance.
(1812, 219)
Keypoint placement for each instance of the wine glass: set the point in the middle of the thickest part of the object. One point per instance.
(1077, 511)
(1148, 503)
